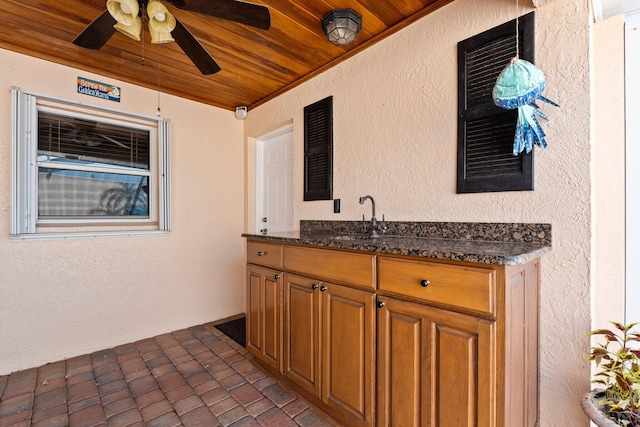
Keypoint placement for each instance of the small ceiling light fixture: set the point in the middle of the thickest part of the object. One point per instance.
(241, 112)
(341, 26)
(129, 23)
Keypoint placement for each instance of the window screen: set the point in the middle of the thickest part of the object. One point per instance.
(90, 168)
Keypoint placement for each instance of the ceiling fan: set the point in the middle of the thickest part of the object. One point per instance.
(125, 16)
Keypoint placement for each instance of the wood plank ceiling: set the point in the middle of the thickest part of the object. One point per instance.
(257, 65)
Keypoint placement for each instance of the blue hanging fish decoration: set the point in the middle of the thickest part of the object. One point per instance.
(519, 85)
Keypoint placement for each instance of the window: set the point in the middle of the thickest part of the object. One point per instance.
(485, 131)
(84, 170)
(318, 150)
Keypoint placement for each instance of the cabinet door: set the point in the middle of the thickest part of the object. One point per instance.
(264, 292)
(302, 332)
(348, 349)
(435, 367)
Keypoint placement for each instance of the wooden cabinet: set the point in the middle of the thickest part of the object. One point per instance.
(266, 254)
(457, 344)
(458, 287)
(348, 353)
(434, 366)
(264, 305)
(302, 332)
(264, 314)
(329, 331)
(450, 344)
(357, 270)
(329, 346)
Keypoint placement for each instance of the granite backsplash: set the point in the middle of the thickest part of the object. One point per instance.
(539, 234)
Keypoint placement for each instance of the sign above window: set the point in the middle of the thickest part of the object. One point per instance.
(99, 90)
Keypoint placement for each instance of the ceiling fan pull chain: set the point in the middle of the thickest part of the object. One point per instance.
(142, 35)
(158, 112)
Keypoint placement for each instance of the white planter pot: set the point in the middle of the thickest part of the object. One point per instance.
(590, 406)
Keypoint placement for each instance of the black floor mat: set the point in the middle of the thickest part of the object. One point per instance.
(235, 329)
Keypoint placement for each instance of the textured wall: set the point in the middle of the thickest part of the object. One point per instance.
(395, 109)
(609, 172)
(62, 298)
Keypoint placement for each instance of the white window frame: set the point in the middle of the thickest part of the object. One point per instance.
(25, 224)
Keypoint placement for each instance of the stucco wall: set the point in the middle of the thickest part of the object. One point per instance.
(609, 173)
(395, 109)
(62, 298)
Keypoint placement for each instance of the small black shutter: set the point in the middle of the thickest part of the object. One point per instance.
(318, 150)
(485, 131)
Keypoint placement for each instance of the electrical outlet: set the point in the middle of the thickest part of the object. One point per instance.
(336, 205)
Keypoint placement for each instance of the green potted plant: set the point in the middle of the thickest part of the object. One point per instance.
(618, 363)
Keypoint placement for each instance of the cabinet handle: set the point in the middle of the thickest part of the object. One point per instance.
(380, 304)
(277, 276)
(314, 286)
(260, 253)
(424, 283)
(323, 288)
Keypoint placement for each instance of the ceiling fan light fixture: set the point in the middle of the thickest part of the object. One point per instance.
(161, 22)
(127, 15)
(159, 38)
(124, 11)
(341, 26)
(131, 31)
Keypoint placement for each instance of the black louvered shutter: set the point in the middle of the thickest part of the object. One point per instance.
(485, 131)
(318, 150)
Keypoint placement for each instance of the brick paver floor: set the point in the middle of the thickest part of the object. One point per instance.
(191, 377)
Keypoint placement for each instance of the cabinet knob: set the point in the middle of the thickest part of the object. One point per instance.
(277, 276)
(424, 283)
(260, 253)
(314, 286)
(323, 288)
(380, 304)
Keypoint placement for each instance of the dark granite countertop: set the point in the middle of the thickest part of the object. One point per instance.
(507, 244)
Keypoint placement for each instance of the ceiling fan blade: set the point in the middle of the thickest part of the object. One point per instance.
(256, 15)
(97, 33)
(194, 50)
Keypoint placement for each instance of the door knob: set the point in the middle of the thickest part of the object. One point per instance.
(314, 286)
(424, 283)
(380, 304)
(323, 288)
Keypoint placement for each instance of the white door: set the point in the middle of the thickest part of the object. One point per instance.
(274, 186)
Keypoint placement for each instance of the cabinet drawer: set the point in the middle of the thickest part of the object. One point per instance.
(267, 254)
(341, 267)
(469, 288)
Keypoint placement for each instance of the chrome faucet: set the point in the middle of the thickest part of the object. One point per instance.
(372, 226)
